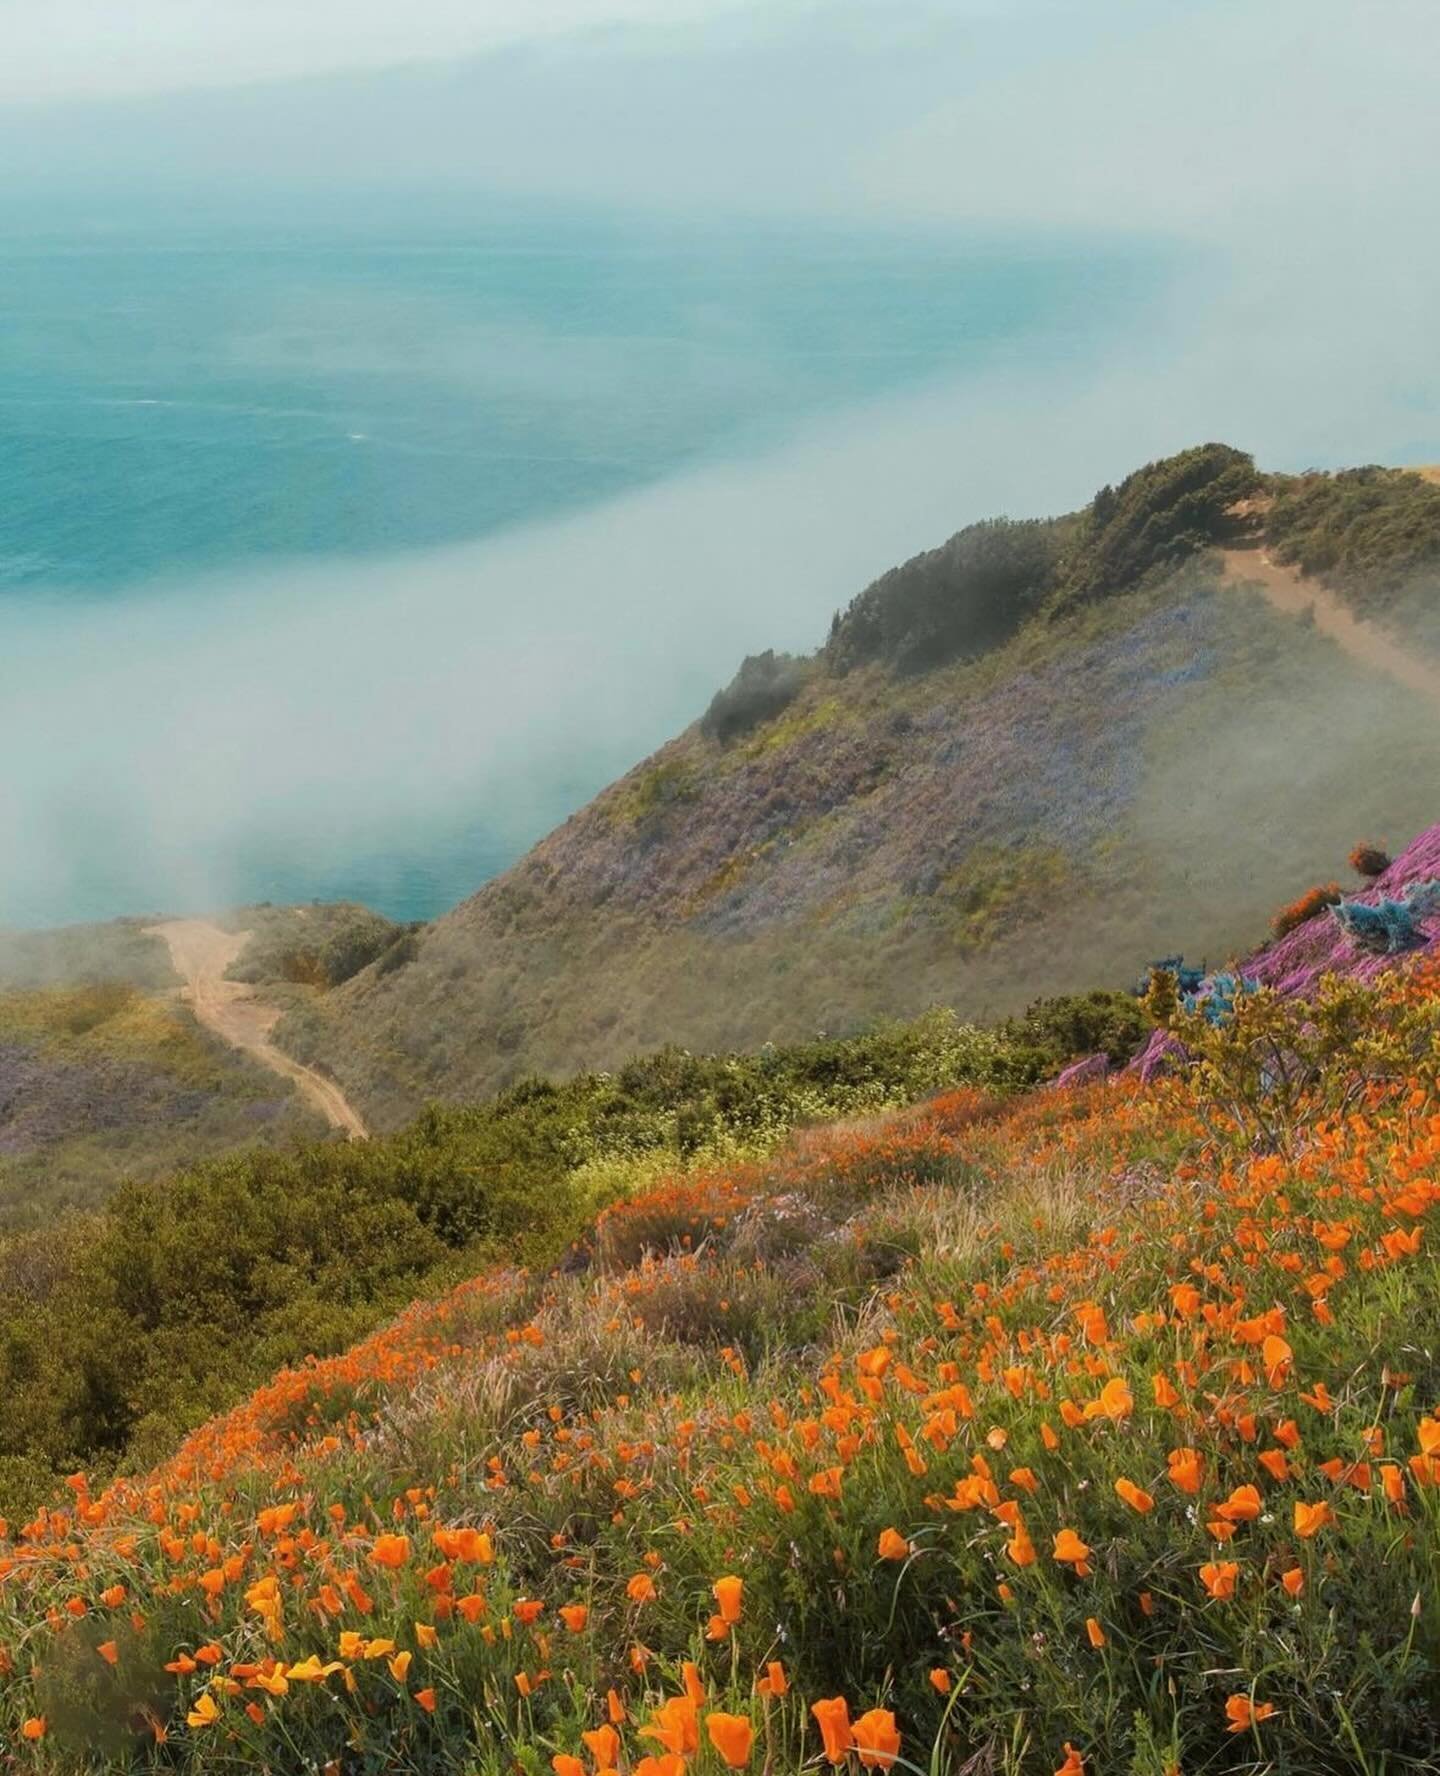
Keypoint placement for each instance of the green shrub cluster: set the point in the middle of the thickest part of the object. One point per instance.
(1370, 532)
(765, 685)
(966, 597)
(1100, 1022)
(322, 945)
(1155, 518)
(975, 591)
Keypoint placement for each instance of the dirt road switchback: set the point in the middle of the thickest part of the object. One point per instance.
(201, 952)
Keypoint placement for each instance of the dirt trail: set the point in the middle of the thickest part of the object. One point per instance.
(1290, 592)
(201, 952)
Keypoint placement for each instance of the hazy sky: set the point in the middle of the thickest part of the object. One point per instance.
(1218, 118)
(78, 47)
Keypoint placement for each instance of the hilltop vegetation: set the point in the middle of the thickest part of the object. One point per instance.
(1020, 761)
(1081, 1432)
(1373, 533)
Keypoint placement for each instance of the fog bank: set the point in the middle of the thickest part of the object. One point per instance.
(468, 697)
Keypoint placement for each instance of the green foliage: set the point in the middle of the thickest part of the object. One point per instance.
(1276, 1064)
(765, 685)
(1155, 518)
(1369, 532)
(966, 597)
(1060, 1029)
(644, 797)
(321, 945)
(1000, 888)
(359, 943)
(402, 951)
(104, 1082)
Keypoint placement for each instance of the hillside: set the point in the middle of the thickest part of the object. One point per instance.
(1024, 762)
(105, 1075)
(1046, 1434)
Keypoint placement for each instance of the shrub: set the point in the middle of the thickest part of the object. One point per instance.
(966, 597)
(1369, 860)
(1308, 906)
(1101, 1022)
(399, 954)
(303, 968)
(1368, 531)
(357, 944)
(765, 685)
(320, 945)
(121, 1329)
(1154, 519)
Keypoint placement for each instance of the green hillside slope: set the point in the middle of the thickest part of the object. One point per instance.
(1024, 762)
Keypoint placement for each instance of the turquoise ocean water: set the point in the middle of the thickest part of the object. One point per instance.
(176, 401)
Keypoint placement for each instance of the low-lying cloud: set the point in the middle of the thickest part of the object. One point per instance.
(160, 744)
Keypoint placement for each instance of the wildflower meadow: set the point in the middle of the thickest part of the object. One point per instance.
(1077, 1431)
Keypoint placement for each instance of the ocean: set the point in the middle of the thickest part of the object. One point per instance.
(181, 407)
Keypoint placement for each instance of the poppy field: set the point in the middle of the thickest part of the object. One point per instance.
(1081, 1431)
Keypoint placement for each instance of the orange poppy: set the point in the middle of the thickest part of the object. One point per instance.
(876, 1739)
(774, 1682)
(390, 1551)
(1243, 1714)
(1069, 1550)
(732, 1736)
(1243, 1505)
(833, 1717)
(1185, 1469)
(892, 1545)
(1020, 1548)
(1134, 1496)
(1311, 1519)
(603, 1744)
(675, 1725)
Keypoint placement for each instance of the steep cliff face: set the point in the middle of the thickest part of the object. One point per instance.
(1107, 766)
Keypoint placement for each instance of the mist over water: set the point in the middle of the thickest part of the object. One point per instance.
(231, 668)
(397, 727)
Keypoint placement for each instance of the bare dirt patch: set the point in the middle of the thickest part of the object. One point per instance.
(1292, 593)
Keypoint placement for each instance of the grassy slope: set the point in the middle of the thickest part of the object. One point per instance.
(1158, 768)
(889, 1381)
(104, 1077)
